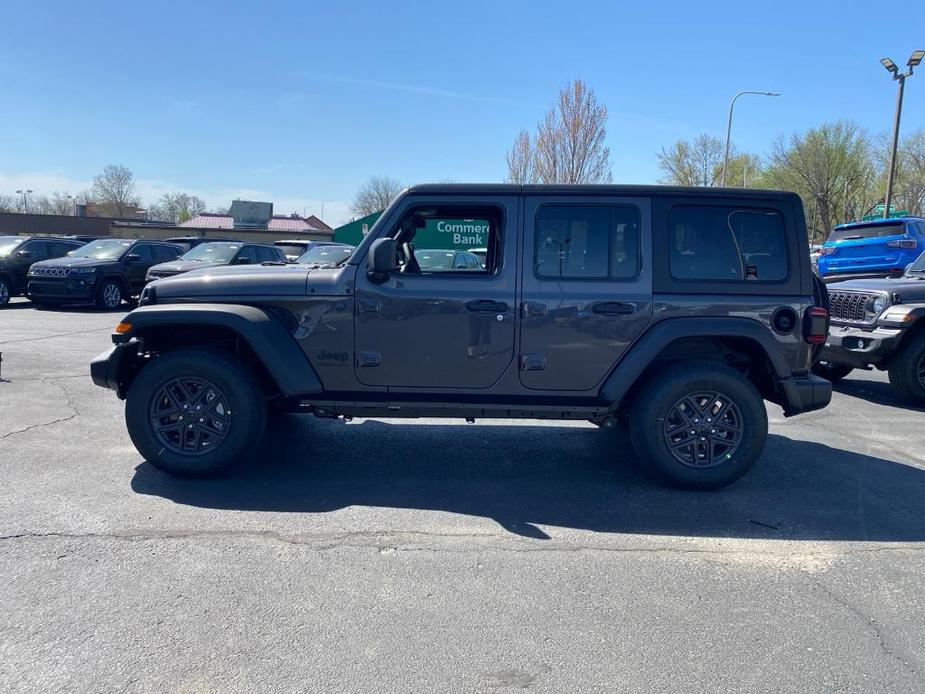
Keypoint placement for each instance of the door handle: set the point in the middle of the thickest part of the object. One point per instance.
(486, 306)
(614, 308)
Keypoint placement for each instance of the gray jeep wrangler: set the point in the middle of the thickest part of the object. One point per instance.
(675, 310)
(879, 323)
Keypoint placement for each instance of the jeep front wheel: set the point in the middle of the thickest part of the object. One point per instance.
(698, 426)
(109, 295)
(195, 412)
(6, 291)
(907, 371)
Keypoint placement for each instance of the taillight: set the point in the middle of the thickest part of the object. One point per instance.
(815, 321)
(902, 243)
(826, 250)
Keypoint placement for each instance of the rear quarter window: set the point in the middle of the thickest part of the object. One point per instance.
(727, 243)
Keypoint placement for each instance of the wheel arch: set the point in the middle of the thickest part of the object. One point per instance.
(249, 332)
(742, 343)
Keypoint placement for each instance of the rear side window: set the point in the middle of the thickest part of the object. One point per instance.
(586, 242)
(726, 243)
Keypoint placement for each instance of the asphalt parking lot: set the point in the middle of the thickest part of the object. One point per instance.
(390, 556)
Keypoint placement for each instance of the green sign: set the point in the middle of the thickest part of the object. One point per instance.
(877, 213)
(456, 234)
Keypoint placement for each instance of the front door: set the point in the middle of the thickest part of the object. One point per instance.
(136, 269)
(440, 319)
(587, 287)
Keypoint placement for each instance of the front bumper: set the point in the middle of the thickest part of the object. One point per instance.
(860, 348)
(62, 289)
(805, 394)
(111, 368)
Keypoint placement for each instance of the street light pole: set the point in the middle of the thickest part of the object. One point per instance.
(729, 128)
(25, 199)
(900, 77)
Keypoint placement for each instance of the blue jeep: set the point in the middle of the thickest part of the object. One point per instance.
(876, 248)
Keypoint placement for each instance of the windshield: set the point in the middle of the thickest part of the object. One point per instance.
(326, 255)
(867, 232)
(212, 252)
(8, 243)
(102, 250)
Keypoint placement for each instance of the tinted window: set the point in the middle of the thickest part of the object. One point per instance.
(143, 251)
(38, 249)
(873, 231)
(265, 255)
(726, 243)
(164, 253)
(60, 248)
(586, 242)
(249, 252)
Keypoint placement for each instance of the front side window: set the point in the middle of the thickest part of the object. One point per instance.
(726, 243)
(438, 240)
(586, 242)
(38, 249)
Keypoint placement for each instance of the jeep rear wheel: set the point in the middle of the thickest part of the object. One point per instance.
(698, 426)
(907, 371)
(195, 412)
(832, 371)
(109, 295)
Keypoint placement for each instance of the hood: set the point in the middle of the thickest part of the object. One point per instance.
(66, 261)
(230, 281)
(178, 266)
(908, 287)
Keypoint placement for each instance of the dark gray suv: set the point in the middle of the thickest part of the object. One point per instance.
(678, 311)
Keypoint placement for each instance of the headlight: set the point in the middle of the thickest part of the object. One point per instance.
(83, 270)
(878, 304)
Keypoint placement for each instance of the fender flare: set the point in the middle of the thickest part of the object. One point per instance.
(277, 349)
(644, 351)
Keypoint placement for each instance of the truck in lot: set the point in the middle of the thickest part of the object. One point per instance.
(677, 311)
(879, 323)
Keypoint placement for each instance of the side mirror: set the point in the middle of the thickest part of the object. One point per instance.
(381, 260)
(133, 257)
(243, 260)
(24, 254)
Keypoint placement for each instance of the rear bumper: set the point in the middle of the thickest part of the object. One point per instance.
(860, 348)
(805, 394)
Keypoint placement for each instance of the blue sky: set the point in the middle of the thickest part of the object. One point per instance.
(301, 102)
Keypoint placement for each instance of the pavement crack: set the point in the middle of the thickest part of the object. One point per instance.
(69, 402)
(52, 337)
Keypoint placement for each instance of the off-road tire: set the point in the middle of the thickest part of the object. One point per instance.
(107, 294)
(243, 404)
(655, 408)
(907, 371)
(832, 371)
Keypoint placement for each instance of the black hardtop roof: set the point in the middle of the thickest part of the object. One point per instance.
(589, 189)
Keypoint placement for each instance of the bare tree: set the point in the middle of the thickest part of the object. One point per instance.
(7, 203)
(521, 159)
(375, 195)
(176, 208)
(114, 190)
(692, 163)
(569, 145)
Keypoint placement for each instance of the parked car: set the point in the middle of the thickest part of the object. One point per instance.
(326, 255)
(441, 260)
(18, 253)
(190, 242)
(878, 248)
(481, 254)
(103, 272)
(675, 310)
(879, 323)
(294, 248)
(218, 253)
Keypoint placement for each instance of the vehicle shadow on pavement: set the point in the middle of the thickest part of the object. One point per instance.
(876, 392)
(569, 477)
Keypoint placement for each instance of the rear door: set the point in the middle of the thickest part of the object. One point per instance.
(586, 287)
